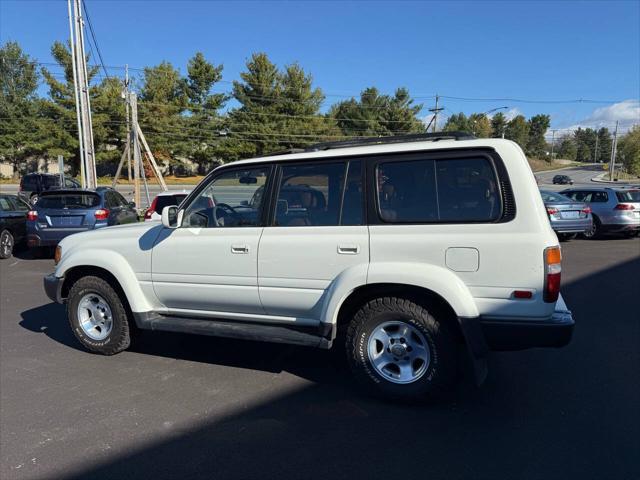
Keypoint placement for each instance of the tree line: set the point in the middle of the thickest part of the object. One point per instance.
(192, 117)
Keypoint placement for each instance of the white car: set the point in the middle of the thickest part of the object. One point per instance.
(164, 199)
(404, 251)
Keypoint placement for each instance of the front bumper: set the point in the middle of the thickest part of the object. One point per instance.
(53, 287)
(517, 334)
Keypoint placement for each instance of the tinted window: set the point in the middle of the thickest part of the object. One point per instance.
(30, 183)
(19, 204)
(50, 181)
(120, 199)
(110, 200)
(352, 203)
(310, 195)
(579, 196)
(226, 201)
(628, 196)
(5, 205)
(69, 183)
(554, 197)
(599, 197)
(438, 191)
(70, 200)
(168, 200)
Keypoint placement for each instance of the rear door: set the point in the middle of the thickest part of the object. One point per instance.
(19, 216)
(316, 233)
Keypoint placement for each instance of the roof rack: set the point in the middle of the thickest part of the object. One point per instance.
(416, 137)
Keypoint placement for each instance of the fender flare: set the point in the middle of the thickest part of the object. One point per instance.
(116, 265)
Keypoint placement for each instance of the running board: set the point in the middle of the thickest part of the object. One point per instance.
(319, 337)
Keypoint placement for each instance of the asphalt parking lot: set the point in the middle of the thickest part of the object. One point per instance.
(180, 406)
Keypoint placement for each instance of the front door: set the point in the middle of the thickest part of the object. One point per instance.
(318, 233)
(209, 263)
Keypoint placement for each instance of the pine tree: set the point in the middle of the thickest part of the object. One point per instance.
(518, 131)
(498, 125)
(536, 145)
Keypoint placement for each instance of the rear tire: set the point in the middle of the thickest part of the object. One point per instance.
(399, 350)
(98, 316)
(7, 243)
(595, 231)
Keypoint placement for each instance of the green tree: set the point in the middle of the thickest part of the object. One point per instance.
(480, 125)
(458, 122)
(536, 145)
(585, 140)
(628, 151)
(603, 152)
(20, 132)
(518, 131)
(498, 125)
(567, 149)
(375, 114)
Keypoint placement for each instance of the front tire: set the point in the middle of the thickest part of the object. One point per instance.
(7, 243)
(98, 317)
(399, 350)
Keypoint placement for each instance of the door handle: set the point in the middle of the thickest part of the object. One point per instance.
(350, 249)
(239, 249)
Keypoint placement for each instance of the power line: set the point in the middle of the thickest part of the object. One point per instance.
(93, 36)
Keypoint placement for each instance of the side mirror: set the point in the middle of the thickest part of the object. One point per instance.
(170, 216)
(132, 204)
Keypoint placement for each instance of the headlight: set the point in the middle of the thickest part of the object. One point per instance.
(57, 255)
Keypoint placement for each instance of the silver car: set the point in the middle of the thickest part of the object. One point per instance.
(614, 210)
(567, 217)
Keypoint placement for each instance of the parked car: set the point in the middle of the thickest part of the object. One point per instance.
(163, 199)
(568, 218)
(614, 210)
(408, 252)
(13, 219)
(33, 184)
(60, 213)
(562, 180)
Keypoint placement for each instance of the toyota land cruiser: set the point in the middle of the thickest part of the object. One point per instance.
(414, 253)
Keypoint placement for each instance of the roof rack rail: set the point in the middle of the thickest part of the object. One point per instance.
(283, 152)
(416, 137)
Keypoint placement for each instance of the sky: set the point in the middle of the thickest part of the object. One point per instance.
(503, 51)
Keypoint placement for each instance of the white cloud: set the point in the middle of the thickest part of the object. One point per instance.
(626, 113)
(512, 113)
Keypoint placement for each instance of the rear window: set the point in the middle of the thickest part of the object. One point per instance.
(51, 181)
(168, 201)
(461, 190)
(554, 197)
(628, 196)
(69, 200)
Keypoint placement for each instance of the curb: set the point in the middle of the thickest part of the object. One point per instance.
(598, 179)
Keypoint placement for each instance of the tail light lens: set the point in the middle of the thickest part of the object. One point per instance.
(552, 211)
(586, 210)
(101, 214)
(624, 206)
(553, 269)
(32, 215)
(152, 208)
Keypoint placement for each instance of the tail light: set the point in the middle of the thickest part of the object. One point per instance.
(624, 206)
(553, 269)
(586, 210)
(151, 209)
(552, 211)
(101, 214)
(32, 215)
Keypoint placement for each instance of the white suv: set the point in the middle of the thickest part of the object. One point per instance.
(408, 250)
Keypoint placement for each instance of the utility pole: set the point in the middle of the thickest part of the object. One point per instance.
(81, 93)
(595, 154)
(137, 161)
(614, 146)
(435, 111)
(126, 96)
(553, 141)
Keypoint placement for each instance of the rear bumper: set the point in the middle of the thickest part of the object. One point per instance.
(519, 334)
(53, 287)
(51, 237)
(571, 226)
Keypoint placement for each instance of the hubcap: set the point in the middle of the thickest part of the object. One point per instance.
(94, 316)
(5, 244)
(399, 352)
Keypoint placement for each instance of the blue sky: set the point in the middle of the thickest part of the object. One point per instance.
(527, 50)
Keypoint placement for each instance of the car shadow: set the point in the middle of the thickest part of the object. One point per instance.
(50, 319)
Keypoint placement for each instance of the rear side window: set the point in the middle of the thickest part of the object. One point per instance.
(432, 191)
(628, 196)
(71, 201)
(51, 181)
(5, 205)
(19, 204)
(168, 201)
(599, 197)
(30, 183)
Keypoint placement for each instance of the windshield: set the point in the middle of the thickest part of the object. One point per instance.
(554, 197)
(628, 196)
(69, 200)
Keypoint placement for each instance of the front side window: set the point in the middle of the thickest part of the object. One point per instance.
(310, 195)
(228, 201)
(431, 191)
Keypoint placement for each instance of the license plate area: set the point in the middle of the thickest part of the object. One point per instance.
(570, 215)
